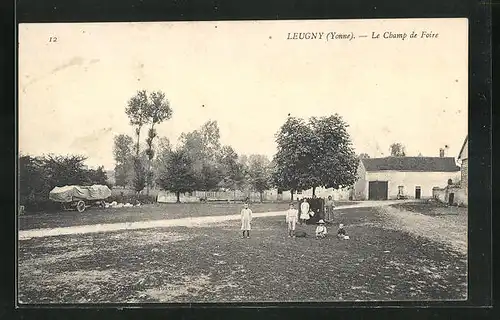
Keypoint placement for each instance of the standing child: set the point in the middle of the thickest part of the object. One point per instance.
(246, 219)
(291, 220)
(329, 206)
(321, 229)
(304, 211)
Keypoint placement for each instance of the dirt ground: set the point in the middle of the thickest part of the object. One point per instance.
(388, 257)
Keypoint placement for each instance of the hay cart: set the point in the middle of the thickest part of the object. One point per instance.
(80, 197)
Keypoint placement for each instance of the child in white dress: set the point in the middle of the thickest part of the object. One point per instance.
(246, 219)
(321, 229)
(304, 211)
(291, 220)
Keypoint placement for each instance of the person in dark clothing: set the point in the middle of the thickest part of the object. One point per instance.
(341, 234)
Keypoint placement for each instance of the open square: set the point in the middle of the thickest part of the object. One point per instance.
(393, 254)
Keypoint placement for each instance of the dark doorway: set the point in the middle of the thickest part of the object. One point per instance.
(418, 192)
(451, 199)
(377, 190)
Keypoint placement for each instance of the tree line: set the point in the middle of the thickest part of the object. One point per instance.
(311, 154)
(38, 175)
(198, 162)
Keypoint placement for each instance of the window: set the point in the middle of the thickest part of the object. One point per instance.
(401, 190)
(299, 192)
(280, 191)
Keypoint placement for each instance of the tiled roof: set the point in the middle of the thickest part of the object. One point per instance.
(419, 164)
(460, 156)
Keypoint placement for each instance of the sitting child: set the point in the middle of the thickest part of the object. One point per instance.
(320, 229)
(341, 234)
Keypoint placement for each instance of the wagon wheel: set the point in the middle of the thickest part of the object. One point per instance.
(80, 206)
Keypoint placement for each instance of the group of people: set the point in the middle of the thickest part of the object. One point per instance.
(292, 217)
(306, 212)
(321, 230)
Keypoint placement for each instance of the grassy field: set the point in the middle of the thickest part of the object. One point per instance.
(213, 264)
(142, 213)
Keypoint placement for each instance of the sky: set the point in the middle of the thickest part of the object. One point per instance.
(248, 77)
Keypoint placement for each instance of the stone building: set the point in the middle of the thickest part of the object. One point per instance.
(464, 170)
(403, 177)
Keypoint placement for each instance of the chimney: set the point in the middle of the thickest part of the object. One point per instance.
(441, 153)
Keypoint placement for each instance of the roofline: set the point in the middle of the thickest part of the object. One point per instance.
(420, 171)
(463, 146)
(410, 157)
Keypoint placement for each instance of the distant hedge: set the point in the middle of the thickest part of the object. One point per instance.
(39, 175)
(142, 198)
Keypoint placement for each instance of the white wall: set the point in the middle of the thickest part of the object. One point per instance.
(426, 181)
(337, 194)
(170, 197)
(360, 186)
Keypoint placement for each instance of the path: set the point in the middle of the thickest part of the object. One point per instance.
(183, 222)
(446, 229)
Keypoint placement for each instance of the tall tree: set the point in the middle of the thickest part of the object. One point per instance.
(333, 163)
(122, 152)
(136, 111)
(33, 183)
(162, 153)
(178, 176)
(156, 111)
(314, 154)
(259, 171)
(211, 176)
(397, 149)
(293, 152)
(203, 147)
(232, 171)
(140, 176)
(97, 176)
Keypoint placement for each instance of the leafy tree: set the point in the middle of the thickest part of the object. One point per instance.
(69, 170)
(232, 171)
(397, 149)
(142, 110)
(139, 180)
(178, 176)
(210, 177)
(97, 176)
(136, 111)
(203, 148)
(157, 110)
(122, 152)
(259, 171)
(314, 154)
(33, 184)
(293, 152)
(364, 156)
(333, 162)
(39, 175)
